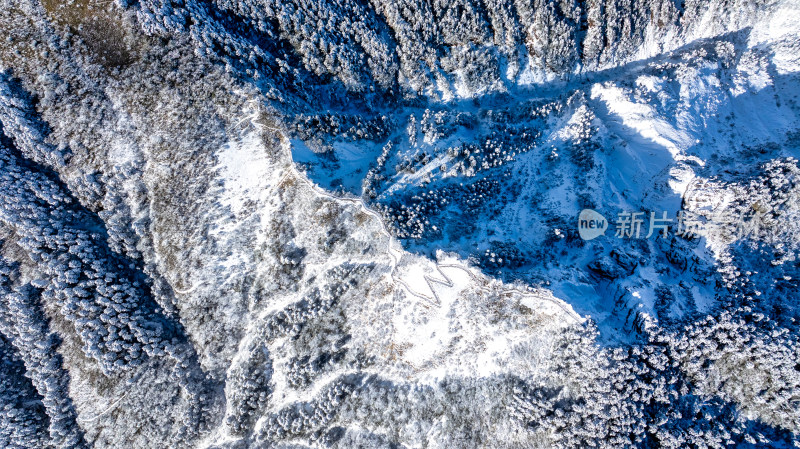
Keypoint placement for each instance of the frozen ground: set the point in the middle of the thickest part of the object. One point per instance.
(233, 224)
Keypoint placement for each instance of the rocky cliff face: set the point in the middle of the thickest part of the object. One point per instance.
(229, 224)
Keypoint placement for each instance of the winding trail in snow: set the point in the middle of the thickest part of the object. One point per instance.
(394, 249)
(397, 254)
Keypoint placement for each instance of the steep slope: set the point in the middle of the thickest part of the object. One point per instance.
(354, 224)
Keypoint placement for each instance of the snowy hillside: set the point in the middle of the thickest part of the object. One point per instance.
(355, 224)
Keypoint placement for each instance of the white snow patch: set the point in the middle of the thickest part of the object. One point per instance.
(643, 120)
(243, 170)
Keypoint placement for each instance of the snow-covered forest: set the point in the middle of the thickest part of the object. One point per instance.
(354, 224)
